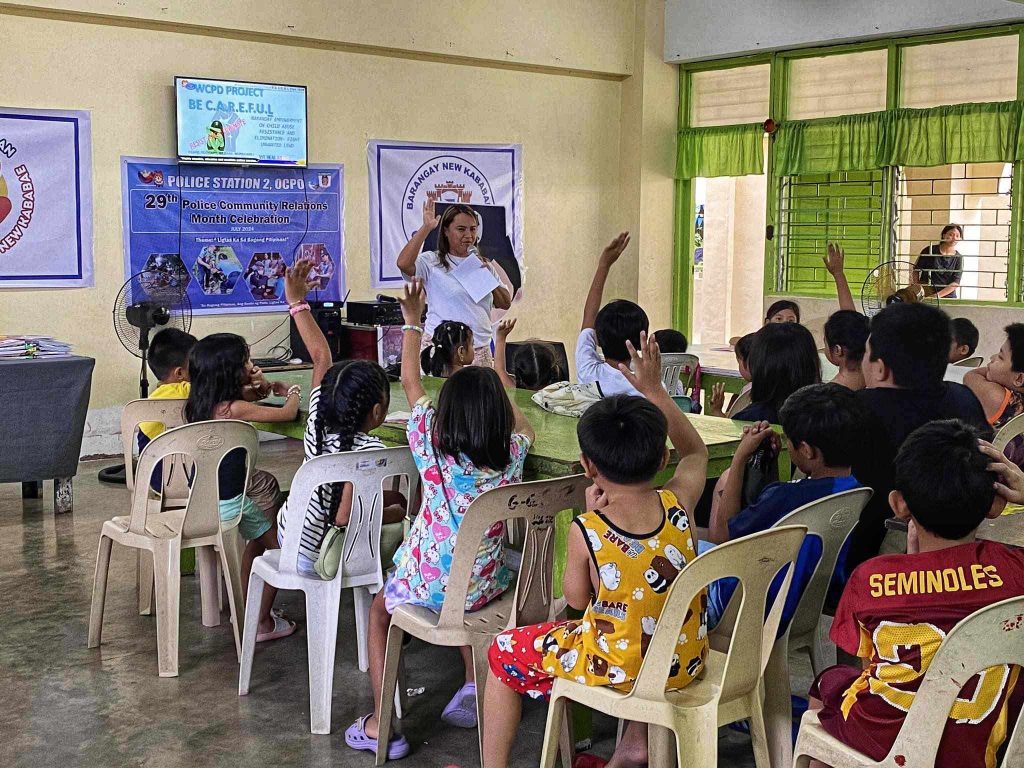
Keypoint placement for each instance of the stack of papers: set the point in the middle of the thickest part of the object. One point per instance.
(32, 346)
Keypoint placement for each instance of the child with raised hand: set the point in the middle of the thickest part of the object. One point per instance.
(835, 264)
(347, 401)
(622, 445)
(846, 336)
(897, 609)
(474, 440)
(609, 327)
(221, 373)
(450, 348)
(823, 425)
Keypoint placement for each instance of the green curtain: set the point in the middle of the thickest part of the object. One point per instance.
(844, 143)
(727, 150)
(960, 133)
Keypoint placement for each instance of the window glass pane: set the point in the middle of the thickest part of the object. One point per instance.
(977, 197)
(729, 96)
(843, 207)
(959, 72)
(844, 84)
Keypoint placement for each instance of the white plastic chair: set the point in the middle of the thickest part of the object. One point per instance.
(739, 402)
(170, 413)
(360, 566)
(729, 688)
(831, 520)
(970, 362)
(1008, 431)
(165, 532)
(676, 367)
(987, 638)
(530, 602)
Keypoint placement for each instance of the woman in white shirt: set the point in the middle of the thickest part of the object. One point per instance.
(447, 299)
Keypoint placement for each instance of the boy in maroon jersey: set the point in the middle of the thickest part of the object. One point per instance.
(897, 609)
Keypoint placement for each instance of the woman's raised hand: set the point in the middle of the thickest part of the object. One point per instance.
(430, 218)
(413, 301)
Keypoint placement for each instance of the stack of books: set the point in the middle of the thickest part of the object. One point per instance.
(32, 346)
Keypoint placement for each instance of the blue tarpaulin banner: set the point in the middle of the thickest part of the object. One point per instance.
(229, 233)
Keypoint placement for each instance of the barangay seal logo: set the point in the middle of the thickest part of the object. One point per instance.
(443, 179)
(17, 197)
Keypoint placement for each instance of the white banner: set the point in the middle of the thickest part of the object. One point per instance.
(45, 199)
(404, 175)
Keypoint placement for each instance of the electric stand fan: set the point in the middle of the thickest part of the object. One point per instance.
(148, 302)
(894, 282)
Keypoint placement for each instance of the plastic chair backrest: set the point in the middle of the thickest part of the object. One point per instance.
(741, 401)
(676, 366)
(367, 471)
(831, 520)
(169, 412)
(990, 637)
(204, 444)
(970, 362)
(1008, 431)
(538, 503)
(755, 561)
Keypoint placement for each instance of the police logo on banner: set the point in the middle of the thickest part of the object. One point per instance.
(404, 176)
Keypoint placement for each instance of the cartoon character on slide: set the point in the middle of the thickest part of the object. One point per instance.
(215, 137)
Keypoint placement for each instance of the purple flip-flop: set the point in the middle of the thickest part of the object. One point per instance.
(461, 710)
(355, 737)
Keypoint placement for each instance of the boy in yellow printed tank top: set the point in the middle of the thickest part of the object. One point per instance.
(623, 555)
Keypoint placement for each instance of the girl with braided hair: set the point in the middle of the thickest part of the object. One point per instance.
(351, 400)
(450, 349)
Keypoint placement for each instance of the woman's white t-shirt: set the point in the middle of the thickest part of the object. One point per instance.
(448, 300)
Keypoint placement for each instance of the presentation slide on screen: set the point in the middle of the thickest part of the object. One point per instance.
(222, 121)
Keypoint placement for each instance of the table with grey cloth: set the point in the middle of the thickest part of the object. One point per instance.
(45, 401)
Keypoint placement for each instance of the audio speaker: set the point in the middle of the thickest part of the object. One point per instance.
(326, 314)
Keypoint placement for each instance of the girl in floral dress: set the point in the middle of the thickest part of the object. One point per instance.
(474, 440)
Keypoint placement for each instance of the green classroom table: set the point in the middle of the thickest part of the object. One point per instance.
(555, 452)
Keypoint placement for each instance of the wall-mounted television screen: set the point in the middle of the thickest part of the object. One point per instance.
(239, 123)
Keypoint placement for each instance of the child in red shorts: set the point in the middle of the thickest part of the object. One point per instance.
(623, 555)
(897, 609)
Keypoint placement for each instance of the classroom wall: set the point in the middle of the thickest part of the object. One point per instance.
(554, 77)
(696, 30)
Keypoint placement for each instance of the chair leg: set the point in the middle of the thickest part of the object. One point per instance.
(167, 577)
(553, 733)
(144, 581)
(392, 660)
(251, 627)
(99, 590)
(231, 562)
(663, 748)
(209, 589)
(696, 735)
(566, 737)
(481, 667)
(778, 707)
(362, 599)
(758, 734)
(321, 640)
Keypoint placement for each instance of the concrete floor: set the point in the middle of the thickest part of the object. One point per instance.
(66, 705)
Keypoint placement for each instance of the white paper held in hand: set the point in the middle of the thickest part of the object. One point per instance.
(476, 278)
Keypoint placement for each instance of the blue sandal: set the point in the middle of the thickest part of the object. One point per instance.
(355, 737)
(461, 710)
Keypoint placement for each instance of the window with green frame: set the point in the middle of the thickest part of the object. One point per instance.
(844, 176)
